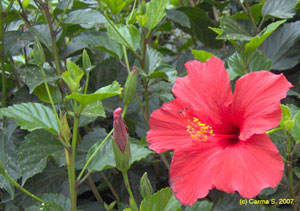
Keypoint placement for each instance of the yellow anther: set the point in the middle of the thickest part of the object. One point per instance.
(199, 130)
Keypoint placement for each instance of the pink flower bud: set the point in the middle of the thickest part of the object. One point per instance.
(120, 130)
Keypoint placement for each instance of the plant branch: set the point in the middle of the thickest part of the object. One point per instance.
(94, 189)
(18, 186)
(110, 186)
(93, 155)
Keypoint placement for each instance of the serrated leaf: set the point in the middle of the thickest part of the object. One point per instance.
(35, 150)
(59, 199)
(153, 59)
(255, 11)
(33, 77)
(16, 41)
(84, 16)
(94, 109)
(93, 39)
(202, 55)
(73, 76)
(115, 6)
(10, 164)
(179, 17)
(296, 171)
(280, 8)
(102, 93)
(237, 64)
(32, 116)
(42, 94)
(162, 200)
(296, 128)
(279, 46)
(105, 157)
(256, 41)
(127, 35)
(232, 30)
(155, 11)
(203, 205)
(285, 115)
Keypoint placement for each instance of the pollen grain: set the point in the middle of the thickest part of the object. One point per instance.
(199, 130)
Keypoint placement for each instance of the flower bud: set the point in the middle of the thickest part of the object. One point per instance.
(145, 186)
(121, 145)
(130, 87)
(86, 60)
(38, 54)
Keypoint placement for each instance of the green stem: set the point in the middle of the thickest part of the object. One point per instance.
(126, 59)
(273, 130)
(248, 11)
(58, 65)
(131, 199)
(65, 143)
(110, 186)
(18, 186)
(93, 155)
(73, 192)
(131, 13)
(87, 82)
(146, 94)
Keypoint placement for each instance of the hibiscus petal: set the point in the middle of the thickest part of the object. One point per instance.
(256, 102)
(248, 167)
(190, 171)
(168, 127)
(206, 88)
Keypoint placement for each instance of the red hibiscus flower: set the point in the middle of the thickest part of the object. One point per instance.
(218, 137)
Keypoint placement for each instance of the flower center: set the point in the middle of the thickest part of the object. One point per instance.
(199, 130)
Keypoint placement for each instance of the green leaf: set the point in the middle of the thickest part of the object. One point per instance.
(203, 205)
(162, 200)
(42, 94)
(237, 64)
(94, 109)
(153, 59)
(32, 116)
(280, 46)
(255, 11)
(104, 158)
(16, 41)
(286, 122)
(256, 41)
(200, 23)
(158, 74)
(59, 199)
(35, 150)
(8, 158)
(179, 17)
(115, 6)
(280, 8)
(84, 16)
(202, 55)
(155, 11)
(73, 76)
(102, 93)
(169, 70)
(93, 39)
(296, 128)
(127, 35)
(232, 30)
(33, 77)
(296, 171)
